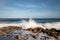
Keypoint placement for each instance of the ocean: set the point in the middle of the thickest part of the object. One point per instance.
(38, 20)
(31, 22)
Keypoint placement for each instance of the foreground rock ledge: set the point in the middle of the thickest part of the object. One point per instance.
(5, 31)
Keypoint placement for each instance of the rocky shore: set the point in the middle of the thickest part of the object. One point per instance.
(30, 34)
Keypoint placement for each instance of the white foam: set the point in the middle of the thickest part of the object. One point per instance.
(55, 25)
(6, 25)
(32, 24)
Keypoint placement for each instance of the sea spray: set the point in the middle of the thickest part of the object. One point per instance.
(29, 24)
(55, 25)
(33, 24)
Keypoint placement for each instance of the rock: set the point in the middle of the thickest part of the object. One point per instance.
(2, 33)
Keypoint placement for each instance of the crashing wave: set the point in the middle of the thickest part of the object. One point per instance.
(33, 24)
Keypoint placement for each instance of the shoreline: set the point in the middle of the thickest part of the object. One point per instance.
(50, 32)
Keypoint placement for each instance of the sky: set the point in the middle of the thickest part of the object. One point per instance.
(29, 8)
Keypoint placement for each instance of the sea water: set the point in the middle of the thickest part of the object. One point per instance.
(31, 23)
(38, 20)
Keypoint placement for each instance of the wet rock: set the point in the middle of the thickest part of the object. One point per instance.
(2, 33)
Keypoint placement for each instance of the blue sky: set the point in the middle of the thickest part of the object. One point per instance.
(29, 8)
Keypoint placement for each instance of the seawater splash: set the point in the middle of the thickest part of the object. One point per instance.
(29, 24)
(32, 24)
(55, 25)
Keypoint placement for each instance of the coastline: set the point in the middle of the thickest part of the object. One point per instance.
(31, 30)
(10, 30)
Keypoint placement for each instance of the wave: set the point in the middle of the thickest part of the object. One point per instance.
(32, 24)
